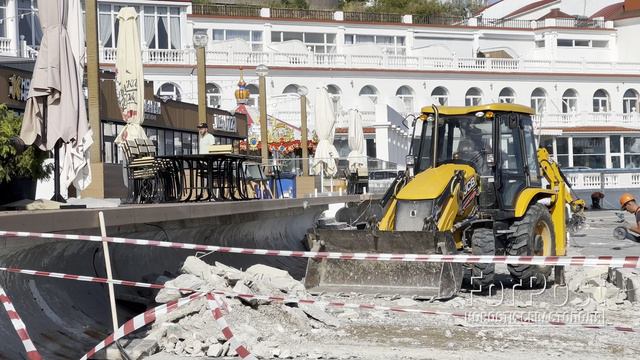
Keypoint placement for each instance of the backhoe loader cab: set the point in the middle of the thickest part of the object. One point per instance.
(476, 187)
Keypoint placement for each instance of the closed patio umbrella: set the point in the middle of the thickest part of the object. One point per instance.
(129, 76)
(356, 157)
(55, 112)
(325, 120)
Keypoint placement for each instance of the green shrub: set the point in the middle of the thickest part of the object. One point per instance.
(29, 164)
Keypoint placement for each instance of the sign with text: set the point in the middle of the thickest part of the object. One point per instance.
(19, 87)
(224, 122)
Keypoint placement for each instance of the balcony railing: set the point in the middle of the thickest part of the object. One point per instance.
(396, 62)
(5, 45)
(373, 17)
(613, 179)
(226, 10)
(591, 119)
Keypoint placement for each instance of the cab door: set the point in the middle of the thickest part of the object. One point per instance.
(511, 163)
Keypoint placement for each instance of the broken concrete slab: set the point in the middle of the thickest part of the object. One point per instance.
(317, 313)
(628, 281)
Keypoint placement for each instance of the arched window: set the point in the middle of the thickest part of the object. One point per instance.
(291, 89)
(213, 95)
(405, 93)
(169, 91)
(539, 100)
(335, 93)
(569, 101)
(600, 101)
(254, 94)
(371, 92)
(630, 101)
(473, 97)
(440, 96)
(507, 95)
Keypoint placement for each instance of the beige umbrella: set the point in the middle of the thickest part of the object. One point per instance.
(129, 76)
(55, 112)
(356, 157)
(55, 108)
(325, 121)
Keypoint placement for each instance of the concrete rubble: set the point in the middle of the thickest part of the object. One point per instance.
(266, 327)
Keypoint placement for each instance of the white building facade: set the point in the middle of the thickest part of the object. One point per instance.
(577, 66)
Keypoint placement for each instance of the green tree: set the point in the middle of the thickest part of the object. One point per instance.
(289, 4)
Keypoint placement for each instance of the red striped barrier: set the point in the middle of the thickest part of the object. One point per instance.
(215, 306)
(140, 321)
(293, 300)
(19, 326)
(622, 262)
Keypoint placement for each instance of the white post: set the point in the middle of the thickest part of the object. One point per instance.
(107, 263)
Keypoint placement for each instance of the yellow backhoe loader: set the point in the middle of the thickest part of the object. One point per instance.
(473, 184)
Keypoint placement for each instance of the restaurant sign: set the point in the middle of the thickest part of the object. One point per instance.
(224, 122)
(19, 87)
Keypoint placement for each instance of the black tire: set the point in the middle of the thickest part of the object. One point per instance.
(483, 243)
(528, 240)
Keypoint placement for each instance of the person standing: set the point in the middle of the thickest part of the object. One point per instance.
(204, 138)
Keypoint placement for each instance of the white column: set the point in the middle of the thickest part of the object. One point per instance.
(382, 141)
(11, 25)
(622, 164)
(607, 151)
(409, 41)
(555, 148)
(340, 39)
(266, 36)
(570, 146)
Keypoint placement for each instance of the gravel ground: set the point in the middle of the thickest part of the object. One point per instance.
(280, 331)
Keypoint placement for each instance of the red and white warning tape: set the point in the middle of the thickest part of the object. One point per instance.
(624, 262)
(19, 326)
(293, 300)
(141, 320)
(215, 306)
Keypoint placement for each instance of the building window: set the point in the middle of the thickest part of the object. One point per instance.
(405, 93)
(371, 92)
(392, 45)
(291, 89)
(29, 23)
(335, 93)
(3, 14)
(632, 152)
(440, 96)
(583, 43)
(630, 101)
(169, 91)
(252, 37)
(507, 95)
(539, 100)
(213, 95)
(254, 93)
(162, 27)
(320, 43)
(600, 101)
(569, 101)
(473, 97)
(589, 152)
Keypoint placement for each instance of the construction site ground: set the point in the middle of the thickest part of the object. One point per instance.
(271, 331)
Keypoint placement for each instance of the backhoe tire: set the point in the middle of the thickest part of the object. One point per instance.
(483, 243)
(533, 235)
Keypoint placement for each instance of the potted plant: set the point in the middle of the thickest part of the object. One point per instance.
(19, 171)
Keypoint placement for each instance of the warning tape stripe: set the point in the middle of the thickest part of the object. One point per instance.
(141, 320)
(623, 262)
(214, 305)
(294, 300)
(19, 326)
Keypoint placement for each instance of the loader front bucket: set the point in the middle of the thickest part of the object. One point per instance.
(426, 280)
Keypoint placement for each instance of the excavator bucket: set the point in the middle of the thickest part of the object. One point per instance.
(425, 280)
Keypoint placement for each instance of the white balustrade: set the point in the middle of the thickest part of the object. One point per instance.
(613, 179)
(555, 120)
(5, 45)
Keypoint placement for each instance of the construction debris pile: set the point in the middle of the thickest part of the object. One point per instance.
(269, 329)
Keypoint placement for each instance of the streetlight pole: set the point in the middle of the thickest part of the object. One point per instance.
(200, 43)
(302, 91)
(262, 71)
(93, 80)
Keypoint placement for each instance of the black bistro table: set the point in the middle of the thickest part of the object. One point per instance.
(210, 177)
